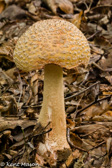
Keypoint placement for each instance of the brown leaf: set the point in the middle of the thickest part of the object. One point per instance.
(102, 41)
(109, 146)
(6, 51)
(105, 2)
(71, 158)
(88, 128)
(73, 18)
(70, 123)
(77, 19)
(34, 85)
(12, 123)
(11, 73)
(75, 139)
(64, 5)
(106, 62)
(2, 6)
(12, 12)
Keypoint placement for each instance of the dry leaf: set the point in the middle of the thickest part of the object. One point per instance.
(75, 139)
(77, 19)
(109, 146)
(34, 85)
(70, 123)
(75, 155)
(2, 6)
(105, 2)
(12, 12)
(64, 5)
(6, 50)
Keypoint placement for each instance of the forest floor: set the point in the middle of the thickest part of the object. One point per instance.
(88, 92)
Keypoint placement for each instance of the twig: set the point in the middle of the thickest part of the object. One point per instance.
(82, 136)
(20, 87)
(9, 80)
(94, 102)
(77, 94)
(97, 145)
(93, 35)
(88, 7)
(69, 141)
(42, 130)
(100, 68)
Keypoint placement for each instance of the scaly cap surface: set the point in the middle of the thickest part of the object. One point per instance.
(51, 41)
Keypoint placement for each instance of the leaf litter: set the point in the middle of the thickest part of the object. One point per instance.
(88, 93)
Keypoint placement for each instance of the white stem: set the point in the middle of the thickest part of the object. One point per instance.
(53, 108)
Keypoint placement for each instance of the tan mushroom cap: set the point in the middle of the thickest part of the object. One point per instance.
(51, 41)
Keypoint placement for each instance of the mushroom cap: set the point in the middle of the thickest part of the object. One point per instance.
(52, 41)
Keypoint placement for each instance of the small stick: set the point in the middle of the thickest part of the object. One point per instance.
(93, 35)
(82, 136)
(98, 145)
(77, 94)
(94, 102)
(100, 68)
(69, 141)
(9, 80)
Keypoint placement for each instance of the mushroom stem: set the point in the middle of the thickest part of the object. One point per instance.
(53, 109)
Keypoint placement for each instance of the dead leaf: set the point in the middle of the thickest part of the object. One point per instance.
(102, 41)
(64, 5)
(106, 62)
(87, 129)
(77, 19)
(73, 18)
(70, 123)
(12, 123)
(109, 145)
(6, 51)
(2, 6)
(15, 13)
(75, 139)
(98, 110)
(34, 85)
(105, 2)
(11, 73)
(75, 155)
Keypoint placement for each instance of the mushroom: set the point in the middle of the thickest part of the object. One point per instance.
(53, 44)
